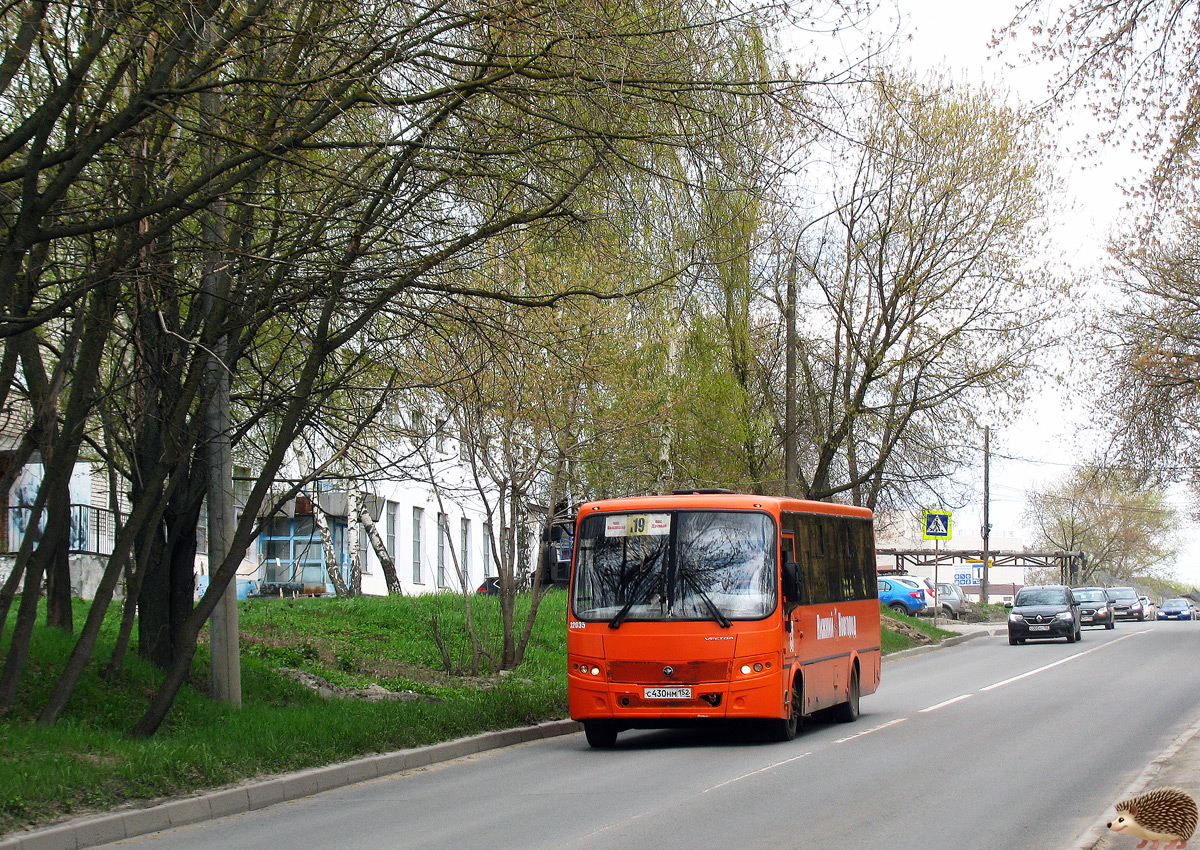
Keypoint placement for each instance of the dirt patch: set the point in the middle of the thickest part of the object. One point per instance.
(909, 631)
(328, 690)
(334, 655)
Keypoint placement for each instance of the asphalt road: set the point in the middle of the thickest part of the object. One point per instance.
(981, 745)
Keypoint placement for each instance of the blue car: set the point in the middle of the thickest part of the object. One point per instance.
(901, 597)
(1175, 609)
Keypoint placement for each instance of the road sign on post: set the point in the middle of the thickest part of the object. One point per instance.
(936, 525)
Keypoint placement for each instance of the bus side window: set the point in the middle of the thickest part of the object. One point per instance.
(788, 550)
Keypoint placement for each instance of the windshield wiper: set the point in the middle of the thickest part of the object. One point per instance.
(637, 596)
(712, 606)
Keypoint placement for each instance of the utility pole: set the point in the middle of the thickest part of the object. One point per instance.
(987, 528)
(223, 623)
(226, 672)
(790, 460)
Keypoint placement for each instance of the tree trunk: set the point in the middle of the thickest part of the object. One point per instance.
(148, 511)
(18, 649)
(355, 559)
(154, 623)
(332, 567)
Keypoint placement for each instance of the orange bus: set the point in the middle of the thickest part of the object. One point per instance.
(710, 605)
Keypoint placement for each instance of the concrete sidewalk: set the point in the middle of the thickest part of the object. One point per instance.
(1177, 766)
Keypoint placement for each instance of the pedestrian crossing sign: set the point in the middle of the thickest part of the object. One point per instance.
(937, 525)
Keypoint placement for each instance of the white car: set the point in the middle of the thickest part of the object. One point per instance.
(918, 583)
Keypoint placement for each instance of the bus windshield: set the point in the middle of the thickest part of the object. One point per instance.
(676, 565)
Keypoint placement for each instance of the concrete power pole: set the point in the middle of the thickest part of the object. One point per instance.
(790, 459)
(223, 624)
(986, 531)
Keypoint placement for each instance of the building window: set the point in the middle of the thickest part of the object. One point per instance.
(418, 515)
(463, 562)
(390, 530)
(441, 552)
(487, 549)
(202, 529)
(291, 550)
(440, 436)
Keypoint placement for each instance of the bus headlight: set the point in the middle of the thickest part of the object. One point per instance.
(587, 668)
(750, 668)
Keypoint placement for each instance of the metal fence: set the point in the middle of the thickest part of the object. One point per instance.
(92, 529)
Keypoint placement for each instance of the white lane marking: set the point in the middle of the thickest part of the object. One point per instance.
(946, 703)
(1059, 661)
(875, 729)
(756, 772)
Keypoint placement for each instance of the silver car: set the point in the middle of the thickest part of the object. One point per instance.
(951, 599)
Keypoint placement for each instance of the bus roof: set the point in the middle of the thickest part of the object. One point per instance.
(721, 501)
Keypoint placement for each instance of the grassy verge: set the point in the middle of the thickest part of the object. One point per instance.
(903, 632)
(86, 763)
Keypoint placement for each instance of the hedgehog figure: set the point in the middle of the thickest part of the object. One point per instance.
(1164, 814)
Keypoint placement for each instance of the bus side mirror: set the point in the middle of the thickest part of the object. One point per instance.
(791, 582)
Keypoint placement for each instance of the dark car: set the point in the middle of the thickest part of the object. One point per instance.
(1043, 611)
(490, 586)
(1127, 604)
(1095, 608)
(1175, 609)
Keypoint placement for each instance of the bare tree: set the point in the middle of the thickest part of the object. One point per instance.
(1149, 386)
(1130, 59)
(1126, 530)
(917, 302)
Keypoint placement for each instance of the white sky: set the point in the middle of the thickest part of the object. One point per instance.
(1040, 445)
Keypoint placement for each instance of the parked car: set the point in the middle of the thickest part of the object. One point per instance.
(1127, 604)
(1043, 611)
(490, 586)
(904, 597)
(1149, 609)
(1175, 609)
(1095, 608)
(918, 583)
(951, 599)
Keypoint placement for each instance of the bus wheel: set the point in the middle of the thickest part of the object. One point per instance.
(786, 729)
(847, 712)
(601, 734)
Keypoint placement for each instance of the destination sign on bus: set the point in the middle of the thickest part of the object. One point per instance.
(637, 525)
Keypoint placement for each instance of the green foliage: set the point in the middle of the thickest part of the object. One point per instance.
(87, 762)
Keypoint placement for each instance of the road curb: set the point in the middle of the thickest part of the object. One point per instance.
(1098, 833)
(129, 823)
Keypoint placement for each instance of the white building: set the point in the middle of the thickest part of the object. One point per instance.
(431, 517)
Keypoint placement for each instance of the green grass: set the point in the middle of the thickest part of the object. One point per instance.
(895, 640)
(86, 762)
